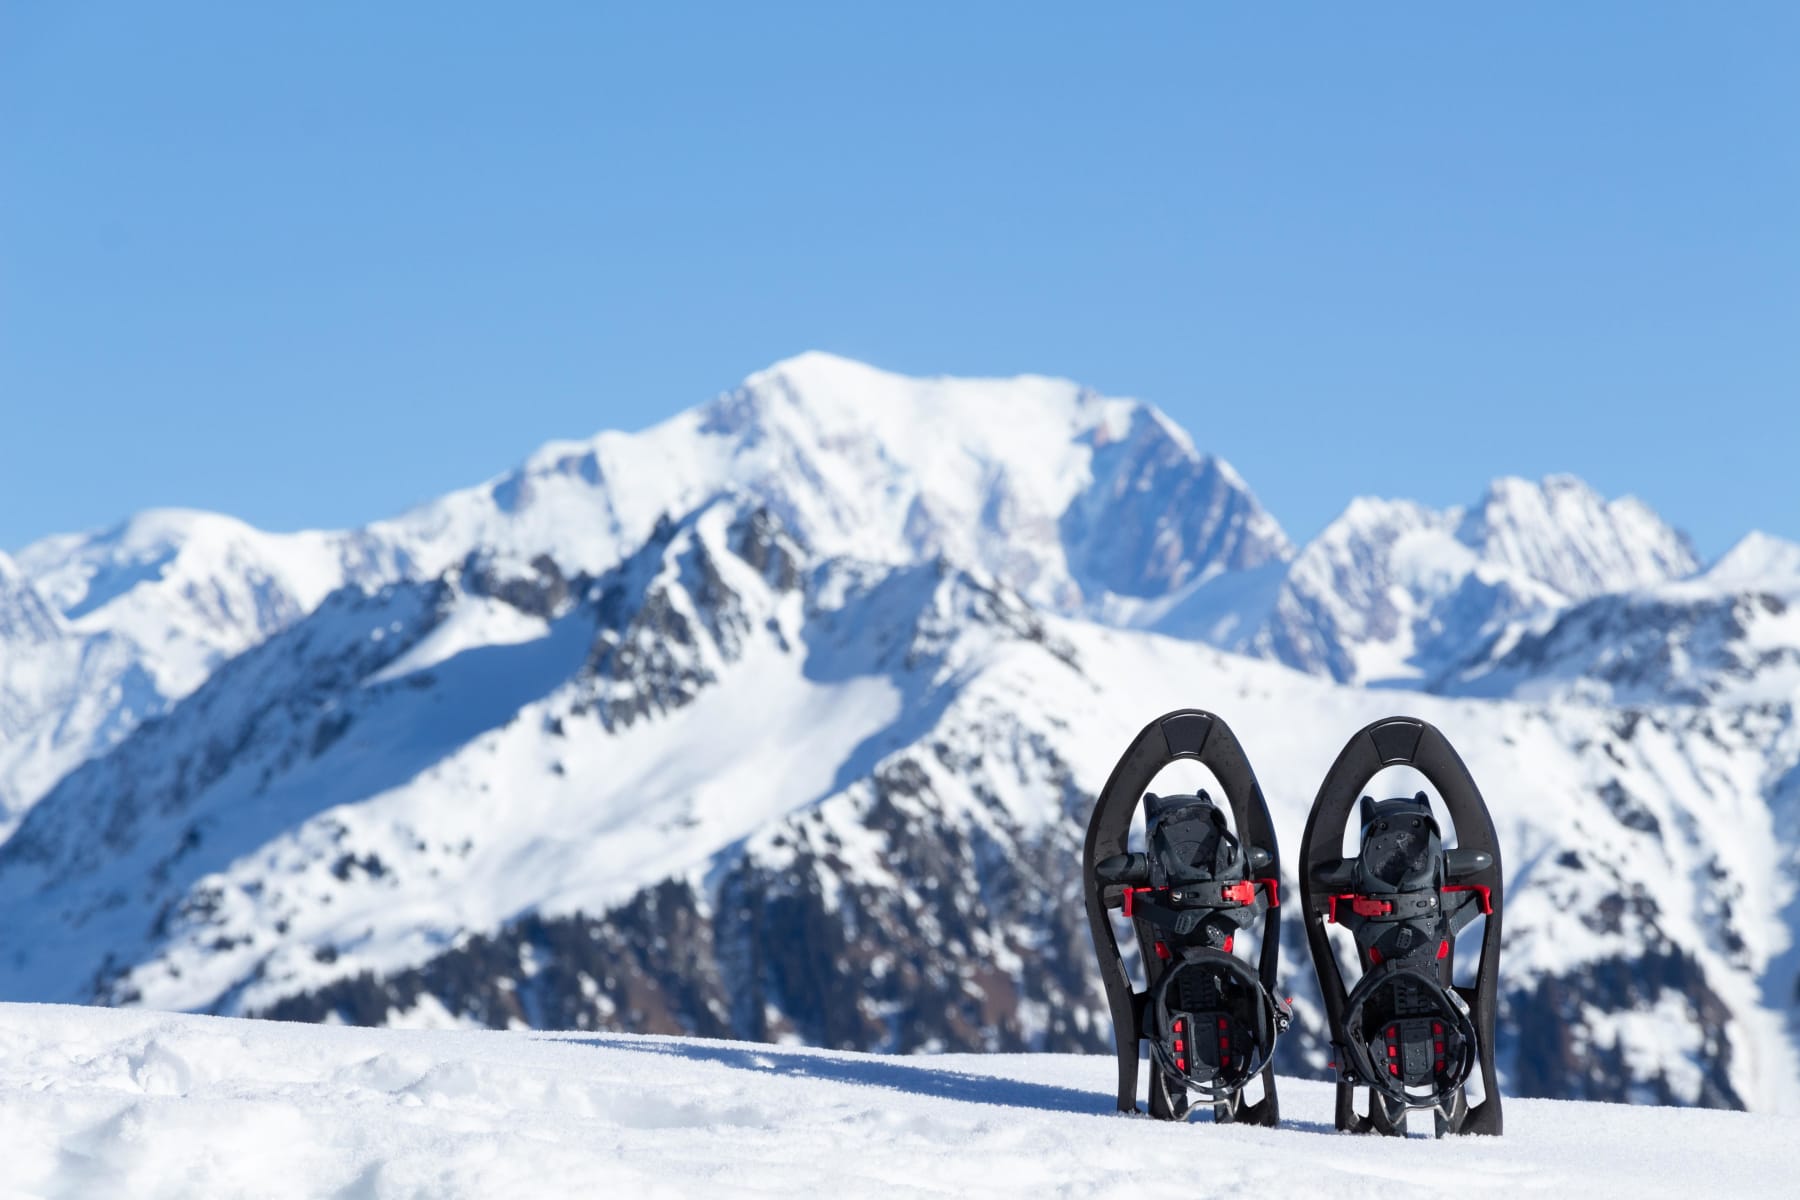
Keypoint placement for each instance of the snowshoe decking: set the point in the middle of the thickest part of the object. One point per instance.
(1211, 1019)
(1405, 1031)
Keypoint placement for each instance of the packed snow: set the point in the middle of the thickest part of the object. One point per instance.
(97, 1102)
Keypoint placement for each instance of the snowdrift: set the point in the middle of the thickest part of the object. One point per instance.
(97, 1102)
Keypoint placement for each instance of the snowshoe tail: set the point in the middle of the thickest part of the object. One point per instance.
(1210, 1017)
(1405, 1031)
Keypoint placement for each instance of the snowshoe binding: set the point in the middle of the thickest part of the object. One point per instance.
(1209, 1016)
(1405, 1031)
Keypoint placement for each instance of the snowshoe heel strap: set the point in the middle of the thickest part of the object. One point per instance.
(1408, 1036)
(1211, 1023)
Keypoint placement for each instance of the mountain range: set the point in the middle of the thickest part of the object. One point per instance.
(781, 720)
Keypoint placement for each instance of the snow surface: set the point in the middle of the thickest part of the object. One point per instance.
(97, 1102)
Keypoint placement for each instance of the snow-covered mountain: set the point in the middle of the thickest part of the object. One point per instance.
(1705, 641)
(781, 720)
(1392, 591)
(1082, 503)
(104, 630)
(1071, 498)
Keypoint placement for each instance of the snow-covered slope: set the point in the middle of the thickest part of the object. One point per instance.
(409, 764)
(1068, 496)
(1392, 591)
(26, 619)
(142, 615)
(933, 903)
(1085, 504)
(1730, 636)
(1757, 558)
(1561, 533)
(28, 626)
(96, 1103)
(853, 794)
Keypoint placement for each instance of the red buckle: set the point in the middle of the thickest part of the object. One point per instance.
(1125, 906)
(1274, 886)
(1239, 893)
(1365, 906)
(1486, 894)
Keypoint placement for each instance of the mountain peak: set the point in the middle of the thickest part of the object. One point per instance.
(821, 367)
(1757, 558)
(1561, 532)
(187, 550)
(1068, 496)
(165, 525)
(842, 397)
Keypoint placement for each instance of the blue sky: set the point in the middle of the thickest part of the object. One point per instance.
(310, 264)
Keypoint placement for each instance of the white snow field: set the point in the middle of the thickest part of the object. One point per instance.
(128, 1103)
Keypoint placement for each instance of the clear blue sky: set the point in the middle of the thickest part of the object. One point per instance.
(313, 263)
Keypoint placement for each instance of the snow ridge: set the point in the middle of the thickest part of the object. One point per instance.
(1395, 592)
(1560, 532)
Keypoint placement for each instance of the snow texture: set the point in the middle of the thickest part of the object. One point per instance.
(103, 1103)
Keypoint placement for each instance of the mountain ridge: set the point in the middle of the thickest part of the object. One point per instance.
(826, 698)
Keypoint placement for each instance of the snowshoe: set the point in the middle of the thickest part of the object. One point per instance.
(1210, 1018)
(1405, 1031)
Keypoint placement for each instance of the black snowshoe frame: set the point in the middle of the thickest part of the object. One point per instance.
(1186, 953)
(1405, 1028)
